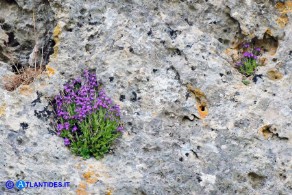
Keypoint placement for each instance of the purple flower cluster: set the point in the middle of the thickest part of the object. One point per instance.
(248, 53)
(82, 97)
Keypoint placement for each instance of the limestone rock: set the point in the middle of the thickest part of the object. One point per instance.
(192, 126)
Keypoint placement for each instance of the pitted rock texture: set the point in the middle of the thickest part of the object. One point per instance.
(192, 126)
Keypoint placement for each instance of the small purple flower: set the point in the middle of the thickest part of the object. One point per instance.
(246, 45)
(60, 127)
(258, 49)
(247, 54)
(74, 129)
(66, 142)
(254, 57)
(66, 125)
(120, 128)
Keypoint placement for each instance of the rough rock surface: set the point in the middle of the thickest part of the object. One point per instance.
(166, 58)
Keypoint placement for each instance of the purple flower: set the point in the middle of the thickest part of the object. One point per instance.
(247, 54)
(246, 45)
(258, 49)
(120, 128)
(74, 129)
(66, 125)
(60, 127)
(79, 99)
(66, 142)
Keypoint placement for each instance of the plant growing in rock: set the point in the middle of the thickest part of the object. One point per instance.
(87, 119)
(249, 59)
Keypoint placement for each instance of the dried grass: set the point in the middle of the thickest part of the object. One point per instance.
(26, 77)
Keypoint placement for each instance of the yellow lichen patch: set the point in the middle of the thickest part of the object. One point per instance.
(50, 71)
(269, 32)
(284, 7)
(56, 33)
(90, 177)
(283, 20)
(2, 109)
(25, 90)
(266, 131)
(201, 100)
(274, 75)
(109, 192)
(81, 190)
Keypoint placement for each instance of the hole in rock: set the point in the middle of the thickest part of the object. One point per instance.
(11, 1)
(12, 42)
(257, 181)
(202, 108)
(134, 96)
(122, 98)
(49, 50)
(149, 33)
(131, 50)
(6, 27)
(268, 43)
(24, 125)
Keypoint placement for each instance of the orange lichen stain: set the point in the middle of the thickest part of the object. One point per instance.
(283, 20)
(25, 90)
(266, 131)
(203, 111)
(57, 31)
(50, 71)
(81, 190)
(90, 177)
(201, 100)
(284, 7)
(274, 75)
(3, 109)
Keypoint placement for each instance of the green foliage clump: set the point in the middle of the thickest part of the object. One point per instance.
(87, 119)
(249, 60)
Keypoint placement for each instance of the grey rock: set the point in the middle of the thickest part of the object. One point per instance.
(148, 53)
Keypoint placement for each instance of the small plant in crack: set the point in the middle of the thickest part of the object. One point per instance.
(249, 59)
(87, 119)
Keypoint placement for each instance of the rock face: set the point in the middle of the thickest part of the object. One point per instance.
(192, 126)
